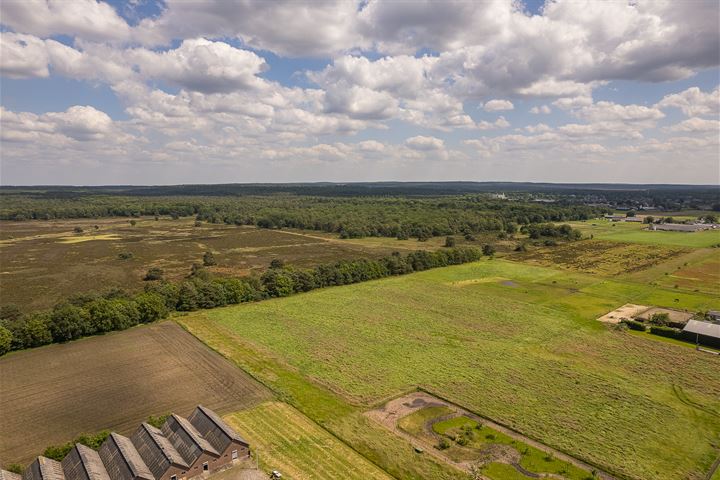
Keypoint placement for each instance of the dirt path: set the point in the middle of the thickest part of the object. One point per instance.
(389, 414)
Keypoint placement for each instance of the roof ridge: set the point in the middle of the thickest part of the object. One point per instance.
(194, 435)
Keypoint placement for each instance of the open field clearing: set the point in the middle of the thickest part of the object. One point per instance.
(43, 262)
(638, 233)
(51, 394)
(528, 355)
(602, 257)
(287, 441)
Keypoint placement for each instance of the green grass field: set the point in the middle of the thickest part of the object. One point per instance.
(638, 233)
(526, 353)
(290, 443)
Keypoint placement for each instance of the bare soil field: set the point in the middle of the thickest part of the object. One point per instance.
(627, 311)
(51, 394)
(43, 262)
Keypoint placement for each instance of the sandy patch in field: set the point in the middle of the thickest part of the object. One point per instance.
(676, 316)
(105, 236)
(629, 310)
(473, 281)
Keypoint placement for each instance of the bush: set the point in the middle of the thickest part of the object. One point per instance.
(449, 242)
(15, 468)
(443, 444)
(209, 259)
(665, 331)
(125, 255)
(158, 421)
(58, 452)
(488, 250)
(660, 319)
(633, 324)
(154, 273)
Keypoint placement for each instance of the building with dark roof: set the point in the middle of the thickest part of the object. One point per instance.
(122, 460)
(44, 468)
(5, 475)
(702, 333)
(160, 456)
(197, 452)
(181, 450)
(84, 463)
(228, 443)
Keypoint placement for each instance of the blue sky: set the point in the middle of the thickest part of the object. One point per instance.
(171, 92)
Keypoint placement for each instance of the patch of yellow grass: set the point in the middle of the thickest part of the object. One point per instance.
(473, 281)
(87, 238)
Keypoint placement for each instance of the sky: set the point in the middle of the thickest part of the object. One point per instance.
(223, 91)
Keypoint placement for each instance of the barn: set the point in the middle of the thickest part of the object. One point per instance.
(182, 449)
(224, 439)
(702, 333)
(84, 463)
(122, 460)
(44, 469)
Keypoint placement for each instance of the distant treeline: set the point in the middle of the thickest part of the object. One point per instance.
(399, 217)
(92, 314)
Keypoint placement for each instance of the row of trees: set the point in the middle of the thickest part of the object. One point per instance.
(91, 314)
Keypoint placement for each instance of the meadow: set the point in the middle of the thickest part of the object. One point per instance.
(514, 343)
(112, 382)
(289, 442)
(44, 262)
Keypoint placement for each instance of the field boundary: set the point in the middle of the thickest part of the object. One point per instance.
(282, 398)
(602, 473)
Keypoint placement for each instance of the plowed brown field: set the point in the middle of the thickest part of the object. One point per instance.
(51, 394)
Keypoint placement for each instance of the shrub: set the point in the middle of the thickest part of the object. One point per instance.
(488, 250)
(449, 241)
(125, 255)
(633, 324)
(443, 444)
(78, 230)
(158, 421)
(15, 468)
(154, 273)
(209, 259)
(665, 331)
(661, 319)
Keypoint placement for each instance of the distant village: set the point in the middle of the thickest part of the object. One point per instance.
(666, 223)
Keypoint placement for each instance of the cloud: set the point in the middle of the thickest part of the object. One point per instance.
(201, 65)
(498, 105)
(422, 143)
(79, 123)
(696, 124)
(88, 19)
(612, 112)
(22, 56)
(544, 109)
(693, 101)
(286, 27)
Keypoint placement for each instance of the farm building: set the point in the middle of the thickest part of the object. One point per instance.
(680, 227)
(163, 460)
(197, 452)
(702, 333)
(84, 463)
(44, 469)
(223, 438)
(180, 450)
(122, 460)
(714, 315)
